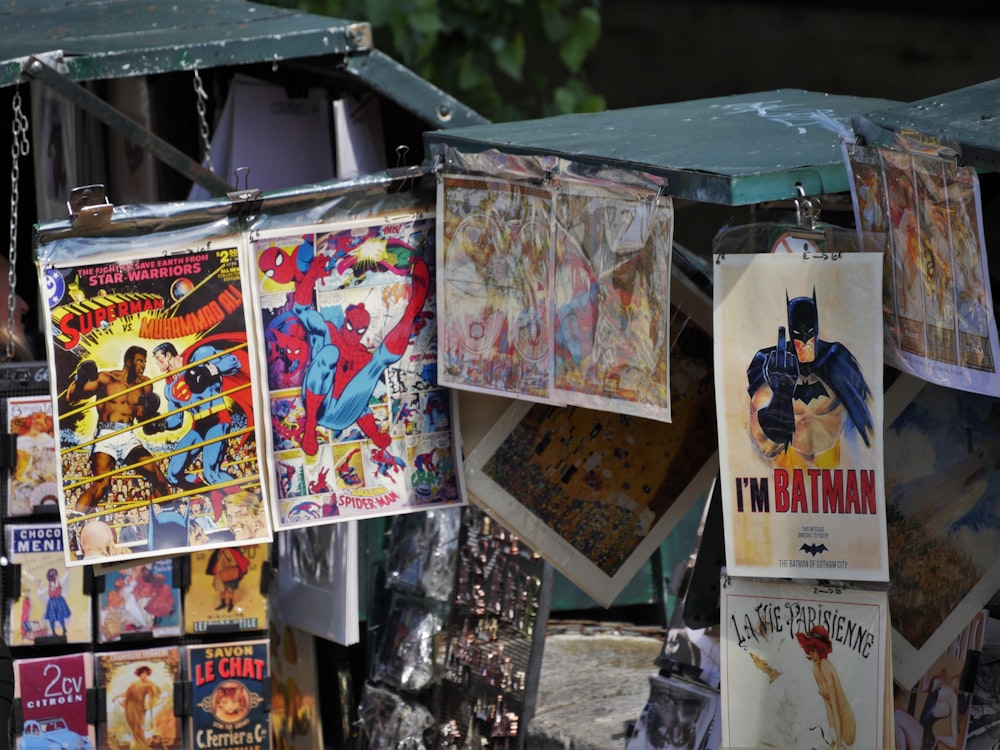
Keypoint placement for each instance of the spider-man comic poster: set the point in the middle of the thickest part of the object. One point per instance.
(359, 425)
(153, 384)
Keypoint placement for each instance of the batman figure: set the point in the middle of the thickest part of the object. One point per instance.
(805, 391)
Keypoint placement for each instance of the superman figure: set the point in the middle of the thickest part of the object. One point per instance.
(806, 394)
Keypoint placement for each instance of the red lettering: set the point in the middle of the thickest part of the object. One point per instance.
(868, 491)
(814, 475)
(853, 502)
(799, 504)
(781, 499)
(833, 491)
(203, 673)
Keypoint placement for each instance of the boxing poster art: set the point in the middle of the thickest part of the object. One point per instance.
(154, 393)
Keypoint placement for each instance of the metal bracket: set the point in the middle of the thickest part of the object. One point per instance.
(44, 72)
(89, 207)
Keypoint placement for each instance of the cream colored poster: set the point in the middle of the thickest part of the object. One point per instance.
(798, 368)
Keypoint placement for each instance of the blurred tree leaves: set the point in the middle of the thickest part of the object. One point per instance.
(507, 59)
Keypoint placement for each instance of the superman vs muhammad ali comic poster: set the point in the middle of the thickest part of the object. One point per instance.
(358, 424)
(153, 385)
(798, 370)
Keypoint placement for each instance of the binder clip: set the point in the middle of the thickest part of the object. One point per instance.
(89, 207)
(183, 698)
(10, 578)
(246, 201)
(403, 176)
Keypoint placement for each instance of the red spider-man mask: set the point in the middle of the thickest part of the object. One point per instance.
(277, 264)
(356, 320)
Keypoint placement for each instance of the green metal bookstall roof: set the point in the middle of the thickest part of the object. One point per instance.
(732, 150)
(103, 39)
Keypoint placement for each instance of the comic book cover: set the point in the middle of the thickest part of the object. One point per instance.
(798, 369)
(359, 425)
(138, 693)
(936, 711)
(141, 445)
(138, 601)
(925, 213)
(295, 704)
(557, 293)
(226, 594)
(52, 606)
(31, 484)
(597, 492)
(678, 714)
(52, 692)
(943, 499)
(229, 695)
(803, 665)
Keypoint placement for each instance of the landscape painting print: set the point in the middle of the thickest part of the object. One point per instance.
(359, 425)
(943, 499)
(798, 368)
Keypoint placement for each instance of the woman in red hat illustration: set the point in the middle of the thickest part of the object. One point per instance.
(817, 645)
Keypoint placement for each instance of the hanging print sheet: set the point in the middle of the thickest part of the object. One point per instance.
(594, 492)
(924, 213)
(31, 484)
(798, 367)
(154, 389)
(359, 425)
(803, 666)
(557, 292)
(943, 499)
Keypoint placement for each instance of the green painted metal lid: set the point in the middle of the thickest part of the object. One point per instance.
(733, 150)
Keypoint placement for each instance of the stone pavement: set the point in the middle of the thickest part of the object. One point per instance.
(593, 685)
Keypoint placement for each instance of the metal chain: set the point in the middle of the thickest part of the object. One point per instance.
(206, 140)
(20, 147)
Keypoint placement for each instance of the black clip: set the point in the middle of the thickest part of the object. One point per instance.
(182, 572)
(246, 201)
(93, 705)
(403, 176)
(89, 207)
(183, 699)
(8, 450)
(10, 576)
(265, 576)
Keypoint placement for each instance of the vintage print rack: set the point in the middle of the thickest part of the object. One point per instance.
(358, 423)
(556, 291)
(798, 368)
(52, 606)
(138, 687)
(924, 212)
(803, 666)
(31, 484)
(230, 686)
(599, 491)
(942, 498)
(152, 375)
(52, 695)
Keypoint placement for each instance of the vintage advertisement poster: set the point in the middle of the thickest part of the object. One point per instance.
(152, 377)
(557, 292)
(943, 500)
(139, 600)
(936, 711)
(226, 592)
(31, 484)
(798, 369)
(230, 709)
(678, 714)
(359, 425)
(53, 695)
(803, 666)
(596, 491)
(295, 707)
(138, 687)
(52, 606)
(925, 213)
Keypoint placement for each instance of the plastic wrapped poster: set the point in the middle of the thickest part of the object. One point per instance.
(138, 689)
(943, 500)
(358, 424)
(154, 387)
(804, 665)
(594, 492)
(228, 590)
(51, 606)
(798, 368)
(924, 212)
(53, 692)
(557, 290)
(230, 691)
(939, 706)
(31, 484)
(137, 601)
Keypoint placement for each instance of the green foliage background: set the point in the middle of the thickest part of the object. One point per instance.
(507, 59)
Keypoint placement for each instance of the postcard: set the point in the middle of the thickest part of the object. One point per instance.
(53, 692)
(138, 687)
(228, 590)
(31, 484)
(230, 685)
